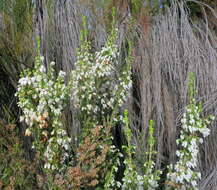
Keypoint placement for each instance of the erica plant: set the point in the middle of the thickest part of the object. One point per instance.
(184, 174)
(42, 97)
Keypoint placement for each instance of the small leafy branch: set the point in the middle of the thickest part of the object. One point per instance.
(150, 177)
(184, 174)
(131, 178)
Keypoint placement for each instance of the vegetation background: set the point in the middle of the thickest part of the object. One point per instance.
(169, 41)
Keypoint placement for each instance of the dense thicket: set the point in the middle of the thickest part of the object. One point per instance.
(169, 40)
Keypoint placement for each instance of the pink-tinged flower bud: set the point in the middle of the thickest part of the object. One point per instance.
(28, 132)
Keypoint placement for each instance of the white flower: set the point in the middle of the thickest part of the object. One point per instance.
(52, 63)
(42, 58)
(59, 141)
(200, 140)
(184, 144)
(192, 121)
(22, 118)
(139, 177)
(47, 165)
(194, 183)
(42, 69)
(28, 132)
(205, 131)
(66, 146)
(184, 126)
(178, 153)
(24, 81)
(62, 74)
(183, 121)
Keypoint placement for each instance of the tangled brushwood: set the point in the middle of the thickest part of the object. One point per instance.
(98, 92)
(128, 104)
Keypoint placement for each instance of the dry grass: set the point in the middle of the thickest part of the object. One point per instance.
(167, 47)
(174, 47)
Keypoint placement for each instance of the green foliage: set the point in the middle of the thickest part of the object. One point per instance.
(136, 6)
(21, 12)
(131, 177)
(17, 22)
(151, 6)
(191, 87)
(15, 47)
(109, 181)
(194, 8)
(84, 31)
(99, 90)
(150, 176)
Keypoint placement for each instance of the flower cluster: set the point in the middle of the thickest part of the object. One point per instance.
(58, 145)
(98, 86)
(42, 97)
(184, 174)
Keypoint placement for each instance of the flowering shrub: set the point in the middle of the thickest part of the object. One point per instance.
(150, 177)
(184, 175)
(99, 90)
(42, 97)
(98, 87)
